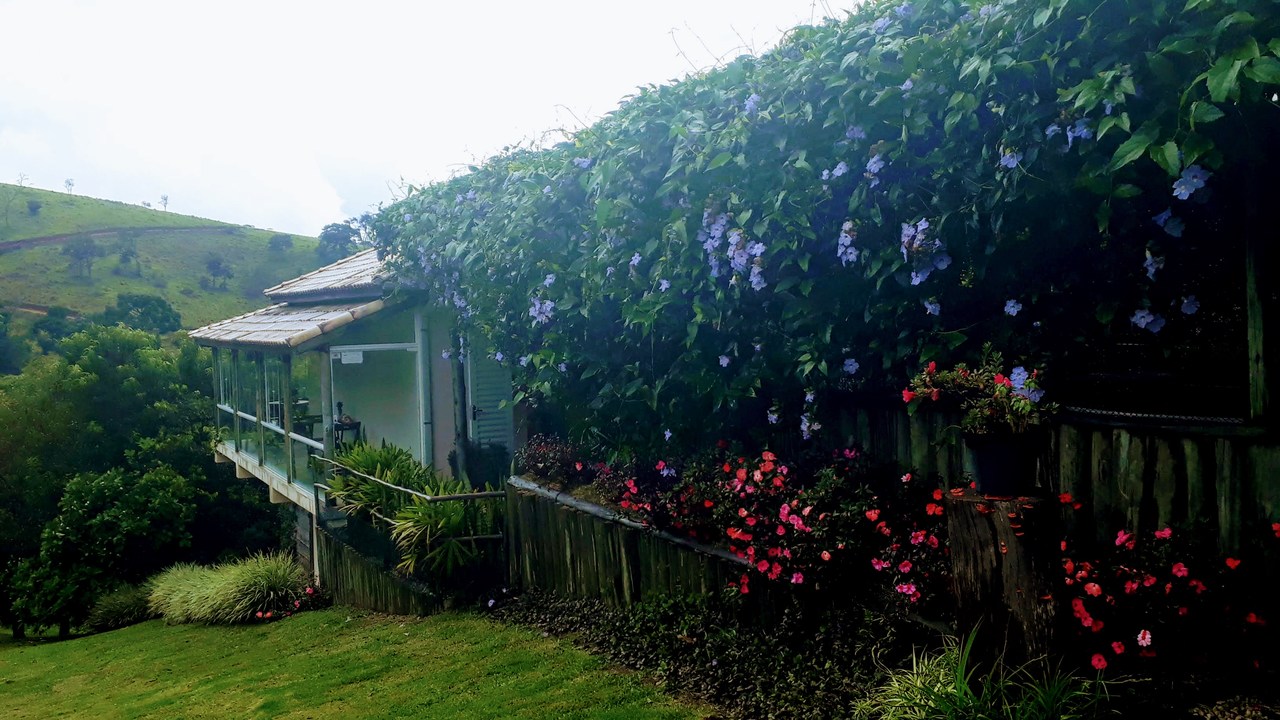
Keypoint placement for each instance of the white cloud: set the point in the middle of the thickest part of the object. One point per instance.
(294, 114)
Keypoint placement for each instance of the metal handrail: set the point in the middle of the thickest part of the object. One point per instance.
(415, 493)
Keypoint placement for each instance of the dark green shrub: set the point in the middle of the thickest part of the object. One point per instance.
(126, 606)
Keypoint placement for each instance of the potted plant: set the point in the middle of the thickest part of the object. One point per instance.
(1000, 417)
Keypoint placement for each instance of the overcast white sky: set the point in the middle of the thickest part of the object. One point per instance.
(290, 115)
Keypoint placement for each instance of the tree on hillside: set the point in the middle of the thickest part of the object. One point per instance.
(82, 251)
(126, 251)
(151, 313)
(12, 351)
(164, 202)
(280, 242)
(338, 240)
(70, 185)
(57, 324)
(219, 272)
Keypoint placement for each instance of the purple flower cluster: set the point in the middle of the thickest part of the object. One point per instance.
(1170, 224)
(879, 26)
(924, 254)
(541, 311)
(807, 427)
(1078, 130)
(711, 235)
(932, 307)
(743, 256)
(851, 366)
(1152, 264)
(844, 244)
(855, 132)
(1147, 320)
(1019, 377)
(583, 162)
(724, 361)
(1012, 307)
(874, 166)
(840, 169)
(1010, 159)
(1192, 179)
(1190, 306)
(752, 104)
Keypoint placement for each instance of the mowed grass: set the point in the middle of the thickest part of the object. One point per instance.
(171, 267)
(336, 663)
(61, 213)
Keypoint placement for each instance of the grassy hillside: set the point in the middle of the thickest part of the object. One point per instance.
(173, 254)
(324, 664)
(61, 213)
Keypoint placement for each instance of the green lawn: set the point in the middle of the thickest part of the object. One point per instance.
(327, 664)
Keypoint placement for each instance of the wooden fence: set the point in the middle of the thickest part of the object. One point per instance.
(1128, 473)
(359, 581)
(574, 548)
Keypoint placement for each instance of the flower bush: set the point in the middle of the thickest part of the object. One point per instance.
(909, 547)
(1162, 602)
(990, 400)
(891, 188)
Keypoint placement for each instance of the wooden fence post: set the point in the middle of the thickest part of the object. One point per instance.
(1004, 563)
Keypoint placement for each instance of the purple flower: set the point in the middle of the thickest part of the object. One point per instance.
(875, 164)
(808, 397)
(541, 311)
(806, 427)
(546, 190)
(1052, 130)
(667, 471)
(757, 278)
(840, 169)
(499, 356)
(1152, 264)
(855, 132)
(635, 260)
(1190, 305)
(1079, 130)
(931, 307)
(524, 361)
(583, 162)
(445, 354)
(666, 434)
(826, 175)
(562, 367)
(608, 272)
(1147, 320)
(903, 10)
(844, 244)
(1012, 307)
(724, 361)
(549, 280)
(1193, 178)
(851, 366)
(471, 194)
(408, 217)
(1010, 159)
(1170, 224)
(879, 26)
(1107, 107)
(752, 104)
(1018, 376)
(772, 417)
(986, 11)
(664, 285)
(908, 85)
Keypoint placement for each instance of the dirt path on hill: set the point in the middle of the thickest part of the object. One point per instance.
(108, 232)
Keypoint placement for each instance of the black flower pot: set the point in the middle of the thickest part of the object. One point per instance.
(1004, 463)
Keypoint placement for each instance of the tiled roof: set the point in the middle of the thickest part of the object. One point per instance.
(360, 275)
(284, 326)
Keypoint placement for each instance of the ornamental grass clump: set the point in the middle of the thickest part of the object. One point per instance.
(991, 401)
(119, 608)
(262, 587)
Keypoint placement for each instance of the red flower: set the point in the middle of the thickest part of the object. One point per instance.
(781, 530)
(742, 512)
(258, 614)
(763, 566)
(878, 564)
(1198, 586)
(905, 566)
(708, 503)
(931, 368)
(1124, 538)
(1099, 662)
(937, 494)
(1118, 647)
(768, 456)
(797, 579)
(908, 396)
(826, 555)
(1233, 563)
(873, 515)
(1093, 589)
(662, 464)
(932, 509)
(1275, 527)
(1253, 619)
(1130, 587)
(935, 394)
(1065, 498)
(1144, 638)
(1164, 534)
(1179, 570)
(311, 591)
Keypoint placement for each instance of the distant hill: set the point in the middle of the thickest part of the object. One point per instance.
(81, 253)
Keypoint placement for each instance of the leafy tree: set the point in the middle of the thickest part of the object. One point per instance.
(219, 272)
(111, 528)
(69, 184)
(164, 202)
(12, 351)
(82, 251)
(151, 313)
(337, 240)
(57, 324)
(280, 242)
(126, 250)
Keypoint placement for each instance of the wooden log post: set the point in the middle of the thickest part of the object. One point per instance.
(1005, 566)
